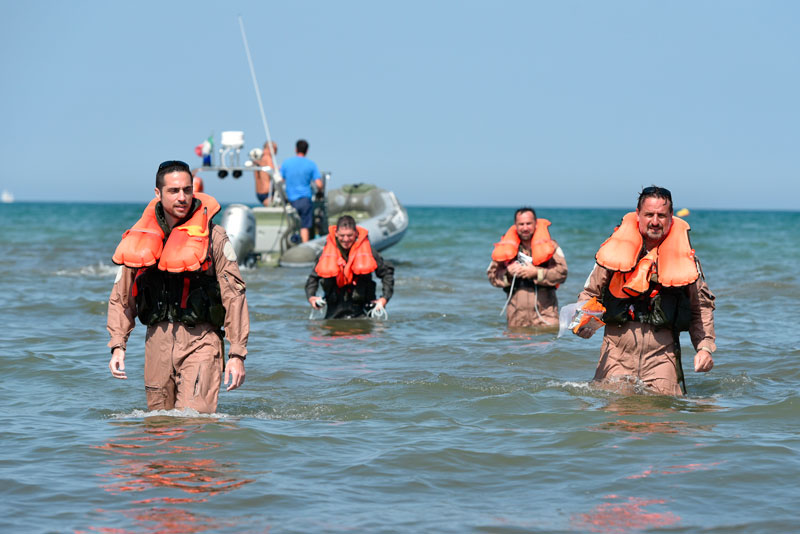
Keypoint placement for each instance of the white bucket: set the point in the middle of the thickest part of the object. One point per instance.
(232, 139)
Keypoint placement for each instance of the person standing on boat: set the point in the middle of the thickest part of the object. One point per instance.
(344, 269)
(262, 178)
(178, 274)
(298, 172)
(652, 288)
(529, 266)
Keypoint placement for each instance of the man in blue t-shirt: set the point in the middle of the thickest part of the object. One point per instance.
(298, 172)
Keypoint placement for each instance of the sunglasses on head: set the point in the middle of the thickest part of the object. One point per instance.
(659, 191)
(174, 163)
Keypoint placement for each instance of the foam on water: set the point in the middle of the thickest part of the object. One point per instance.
(99, 270)
(186, 413)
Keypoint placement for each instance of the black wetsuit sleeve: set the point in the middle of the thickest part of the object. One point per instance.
(313, 282)
(385, 272)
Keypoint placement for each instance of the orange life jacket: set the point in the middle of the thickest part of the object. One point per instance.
(542, 246)
(186, 248)
(671, 263)
(359, 260)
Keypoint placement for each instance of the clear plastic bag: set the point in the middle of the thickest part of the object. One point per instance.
(583, 314)
(318, 313)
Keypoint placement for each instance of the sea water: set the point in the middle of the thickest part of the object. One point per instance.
(436, 420)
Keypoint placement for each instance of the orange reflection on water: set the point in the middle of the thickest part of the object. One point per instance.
(198, 476)
(354, 329)
(620, 517)
(648, 427)
(323, 342)
(142, 445)
(170, 521)
(150, 458)
(654, 407)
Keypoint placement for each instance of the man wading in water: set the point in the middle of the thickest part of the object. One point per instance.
(344, 268)
(178, 274)
(529, 266)
(652, 288)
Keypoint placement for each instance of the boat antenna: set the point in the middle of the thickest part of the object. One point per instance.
(258, 91)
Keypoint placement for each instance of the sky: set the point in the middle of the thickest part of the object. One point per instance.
(446, 103)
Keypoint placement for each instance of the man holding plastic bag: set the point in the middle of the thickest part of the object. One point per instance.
(649, 288)
(344, 270)
(529, 265)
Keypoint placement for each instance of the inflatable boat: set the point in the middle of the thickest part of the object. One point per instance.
(271, 235)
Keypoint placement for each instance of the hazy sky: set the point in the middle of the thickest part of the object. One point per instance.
(562, 103)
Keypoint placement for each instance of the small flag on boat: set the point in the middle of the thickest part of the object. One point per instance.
(204, 148)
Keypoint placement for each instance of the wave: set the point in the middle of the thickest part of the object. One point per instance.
(184, 413)
(99, 270)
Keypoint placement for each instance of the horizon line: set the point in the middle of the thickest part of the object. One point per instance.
(437, 206)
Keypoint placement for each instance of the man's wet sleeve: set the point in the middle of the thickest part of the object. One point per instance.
(121, 309)
(595, 284)
(385, 272)
(232, 287)
(312, 283)
(701, 329)
(554, 272)
(497, 274)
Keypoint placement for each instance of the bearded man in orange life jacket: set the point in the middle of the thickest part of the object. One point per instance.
(178, 274)
(344, 269)
(652, 287)
(529, 266)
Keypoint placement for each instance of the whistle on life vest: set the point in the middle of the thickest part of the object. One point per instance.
(588, 314)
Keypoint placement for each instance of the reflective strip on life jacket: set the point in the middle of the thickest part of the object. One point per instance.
(542, 245)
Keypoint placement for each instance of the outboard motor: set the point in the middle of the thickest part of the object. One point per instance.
(240, 225)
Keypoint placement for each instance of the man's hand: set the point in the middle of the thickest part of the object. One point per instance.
(316, 302)
(703, 362)
(117, 363)
(380, 302)
(522, 271)
(234, 370)
(585, 331)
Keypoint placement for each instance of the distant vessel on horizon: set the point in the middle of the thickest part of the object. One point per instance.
(7, 197)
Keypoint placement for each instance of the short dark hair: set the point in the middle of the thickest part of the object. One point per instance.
(301, 146)
(523, 210)
(346, 222)
(654, 192)
(169, 166)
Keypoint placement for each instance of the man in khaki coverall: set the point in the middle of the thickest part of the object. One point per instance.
(534, 301)
(184, 364)
(637, 350)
